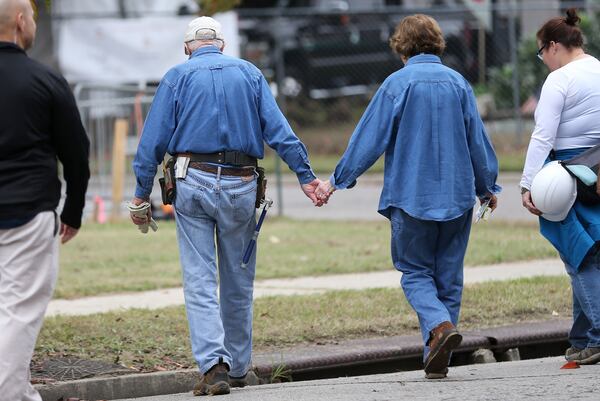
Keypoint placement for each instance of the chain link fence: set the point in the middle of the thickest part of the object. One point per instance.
(325, 59)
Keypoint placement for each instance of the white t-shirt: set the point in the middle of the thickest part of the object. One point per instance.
(567, 115)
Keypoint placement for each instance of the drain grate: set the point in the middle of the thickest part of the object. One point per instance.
(63, 369)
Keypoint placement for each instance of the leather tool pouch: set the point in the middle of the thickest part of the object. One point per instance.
(167, 183)
(261, 187)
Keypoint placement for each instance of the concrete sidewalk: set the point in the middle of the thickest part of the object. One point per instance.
(298, 286)
(537, 379)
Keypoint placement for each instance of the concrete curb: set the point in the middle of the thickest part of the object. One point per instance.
(403, 352)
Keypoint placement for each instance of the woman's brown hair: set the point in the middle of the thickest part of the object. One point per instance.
(417, 34)
(564, 30)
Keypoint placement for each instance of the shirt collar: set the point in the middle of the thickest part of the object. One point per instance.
(10, 47)
(423, 58)
(205, 50)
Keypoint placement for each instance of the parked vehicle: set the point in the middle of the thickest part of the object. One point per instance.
(333, 48)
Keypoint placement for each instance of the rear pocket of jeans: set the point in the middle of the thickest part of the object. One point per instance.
(188, 199)
(243, 203)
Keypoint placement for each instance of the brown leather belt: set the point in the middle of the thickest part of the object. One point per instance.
(237, 172)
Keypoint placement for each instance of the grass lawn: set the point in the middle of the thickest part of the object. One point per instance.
(115, 257)
(150, 340)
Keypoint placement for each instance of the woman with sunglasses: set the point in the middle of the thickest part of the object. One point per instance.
(567, 122)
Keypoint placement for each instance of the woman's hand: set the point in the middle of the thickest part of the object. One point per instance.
(528, 203)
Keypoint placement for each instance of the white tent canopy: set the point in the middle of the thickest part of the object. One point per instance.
(95, 44)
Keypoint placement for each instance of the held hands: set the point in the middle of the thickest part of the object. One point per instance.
(318, 191)
(324, 191)
(309, 190)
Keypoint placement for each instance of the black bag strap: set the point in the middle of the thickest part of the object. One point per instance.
(589, 158)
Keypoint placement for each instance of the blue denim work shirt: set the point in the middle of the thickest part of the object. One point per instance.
(213, 103)
(438, 157)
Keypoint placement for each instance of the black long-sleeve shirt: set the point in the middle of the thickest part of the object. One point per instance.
(39, 124)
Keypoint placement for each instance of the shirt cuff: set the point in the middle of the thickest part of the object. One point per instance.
(340, 186)
(141, 193)
(495, 189)
(306, 177)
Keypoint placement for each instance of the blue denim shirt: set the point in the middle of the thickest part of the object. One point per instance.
(213, 103)
(438, 157)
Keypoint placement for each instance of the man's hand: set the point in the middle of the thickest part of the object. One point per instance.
(528, 203)
(138, 221)
(324, 191)
(309, 190)
(493, 201)
(66, 233)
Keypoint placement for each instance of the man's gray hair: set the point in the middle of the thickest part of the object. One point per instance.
(196, 44)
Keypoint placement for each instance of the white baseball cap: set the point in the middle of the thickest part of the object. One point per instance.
(203, 28)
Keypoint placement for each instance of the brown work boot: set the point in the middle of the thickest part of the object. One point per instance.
(249, 379)
(443, 340)
(214, 382)
(573, 354)
(589, 356)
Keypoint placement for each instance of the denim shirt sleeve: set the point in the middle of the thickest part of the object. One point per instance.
(279, 135)
(369, 140)
(156, 135)
(483, 157)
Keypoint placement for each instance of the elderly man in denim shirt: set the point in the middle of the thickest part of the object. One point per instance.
(217, 111)
(438, 159)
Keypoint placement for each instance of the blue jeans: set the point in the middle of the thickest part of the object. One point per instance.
(430, 255)
(585, 283)
(210, 207)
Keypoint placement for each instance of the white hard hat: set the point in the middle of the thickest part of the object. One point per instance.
(203, 28)
(553, 191)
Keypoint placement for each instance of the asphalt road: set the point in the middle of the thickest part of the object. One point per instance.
(358, 203)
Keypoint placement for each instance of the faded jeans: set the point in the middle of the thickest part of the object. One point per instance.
(430, 255)
(585, 283)
(218, 291)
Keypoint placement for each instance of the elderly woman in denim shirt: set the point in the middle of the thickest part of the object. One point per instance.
(438, 159)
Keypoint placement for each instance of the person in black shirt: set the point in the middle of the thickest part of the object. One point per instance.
(39, 125)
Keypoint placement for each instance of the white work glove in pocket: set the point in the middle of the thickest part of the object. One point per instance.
(141, 211)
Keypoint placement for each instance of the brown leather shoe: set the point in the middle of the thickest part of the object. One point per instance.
(214, 382)
(249, 379)
(443, 340)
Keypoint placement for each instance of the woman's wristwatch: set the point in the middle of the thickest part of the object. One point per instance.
(523, 190)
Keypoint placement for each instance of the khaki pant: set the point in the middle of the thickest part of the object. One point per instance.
(28, 270)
